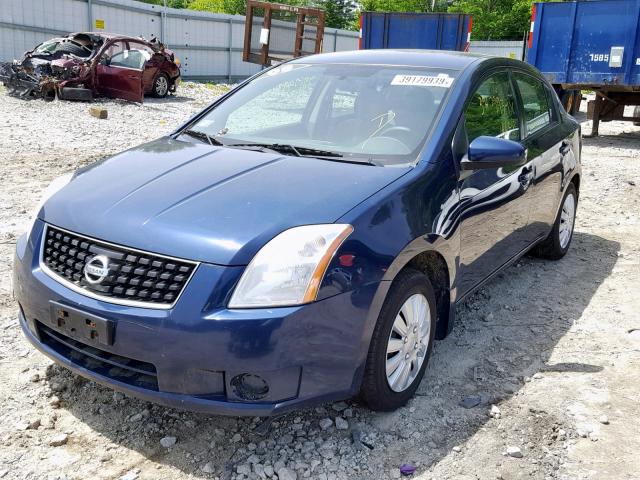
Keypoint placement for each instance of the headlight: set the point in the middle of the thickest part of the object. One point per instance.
(54, 187)
(289, 269)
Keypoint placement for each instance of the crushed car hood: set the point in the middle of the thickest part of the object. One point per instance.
(211, 204)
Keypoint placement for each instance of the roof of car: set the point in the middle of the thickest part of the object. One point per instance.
(415, 58)
(110, 36)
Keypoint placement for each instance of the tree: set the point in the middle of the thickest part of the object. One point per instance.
(419, 6)
(496, 19)
(170, 3)
(339, 13)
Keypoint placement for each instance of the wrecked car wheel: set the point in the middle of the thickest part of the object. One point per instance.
(49, 95)
(161, 86)
(73, 48)
(401, 344)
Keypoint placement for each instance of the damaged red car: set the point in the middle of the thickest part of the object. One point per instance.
(81, 66)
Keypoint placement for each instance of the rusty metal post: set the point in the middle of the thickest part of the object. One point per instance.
(248, 25)
(300, 24)
(597, 108)
(266, 23)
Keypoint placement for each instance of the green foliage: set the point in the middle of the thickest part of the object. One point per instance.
(233, 7)
(420, 6)
(492, 19)
(339, 13)
(170, 3)
(496, 19)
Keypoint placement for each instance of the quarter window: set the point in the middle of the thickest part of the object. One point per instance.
(535, 101)
(491, 110)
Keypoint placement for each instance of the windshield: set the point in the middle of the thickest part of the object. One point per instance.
(47, 47)
(378, 113)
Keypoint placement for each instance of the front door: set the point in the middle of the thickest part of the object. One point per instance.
(494, 202)
(119, 72)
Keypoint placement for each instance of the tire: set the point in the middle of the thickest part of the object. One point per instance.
(555, 246)
(377, 391)
(160, 86)
(73, 48)
(636, 113)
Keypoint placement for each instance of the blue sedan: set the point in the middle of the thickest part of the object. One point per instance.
(306, 237)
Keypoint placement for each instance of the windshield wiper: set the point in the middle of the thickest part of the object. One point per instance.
(202, 136)
(292, 149)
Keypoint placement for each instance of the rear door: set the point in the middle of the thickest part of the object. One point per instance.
(494, 202)
(119, 72)
(547, 141)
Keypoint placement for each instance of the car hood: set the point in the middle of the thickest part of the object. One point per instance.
(211, 204)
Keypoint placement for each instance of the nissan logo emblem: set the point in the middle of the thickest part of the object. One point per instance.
(96, 269)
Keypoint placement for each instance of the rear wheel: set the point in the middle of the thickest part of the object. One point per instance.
(401, 343)
(161, 86)
(556, 245)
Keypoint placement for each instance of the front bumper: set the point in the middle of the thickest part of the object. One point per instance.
(193, 351)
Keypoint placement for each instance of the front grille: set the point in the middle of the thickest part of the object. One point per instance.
(123, 369)
(132, 276)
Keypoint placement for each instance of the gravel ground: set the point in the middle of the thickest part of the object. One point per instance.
(549, 351)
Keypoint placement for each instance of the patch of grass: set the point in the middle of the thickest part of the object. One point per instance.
(220, 87)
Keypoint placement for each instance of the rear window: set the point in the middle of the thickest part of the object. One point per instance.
(535, 101)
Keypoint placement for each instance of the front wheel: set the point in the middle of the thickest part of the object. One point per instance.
(161, 86)
(556, 245)
(401, 343)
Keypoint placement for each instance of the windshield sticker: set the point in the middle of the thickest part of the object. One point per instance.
(441, 80)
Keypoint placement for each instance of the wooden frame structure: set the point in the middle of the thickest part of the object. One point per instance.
(313, 17)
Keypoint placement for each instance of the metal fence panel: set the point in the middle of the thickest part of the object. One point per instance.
(510, 49)
(130, 22)
(208, 45)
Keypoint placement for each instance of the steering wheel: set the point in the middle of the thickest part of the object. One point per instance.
(385, 145)
(400, 133)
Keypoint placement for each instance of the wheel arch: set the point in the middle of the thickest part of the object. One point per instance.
(434, 266)
(436, 257)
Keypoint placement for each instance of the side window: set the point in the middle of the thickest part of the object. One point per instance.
(133, 58)
(114, 49)
(491, 110)
(343, 102)
(535, 102)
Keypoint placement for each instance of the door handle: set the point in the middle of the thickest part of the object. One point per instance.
(565, 147)
(526, 176)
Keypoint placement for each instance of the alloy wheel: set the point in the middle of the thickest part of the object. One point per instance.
(162, 86)
(408, 343)
(566, 220)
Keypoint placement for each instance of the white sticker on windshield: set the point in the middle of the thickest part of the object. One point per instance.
(441, 80)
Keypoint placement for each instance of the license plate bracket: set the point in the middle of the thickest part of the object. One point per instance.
(81, 325)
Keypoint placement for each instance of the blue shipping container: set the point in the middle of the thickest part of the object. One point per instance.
(587, 44)
(437, 31)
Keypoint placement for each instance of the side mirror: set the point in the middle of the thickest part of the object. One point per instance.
(493, 152)
(104, 60)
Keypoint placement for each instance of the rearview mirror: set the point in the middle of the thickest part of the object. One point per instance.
(493, 152)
